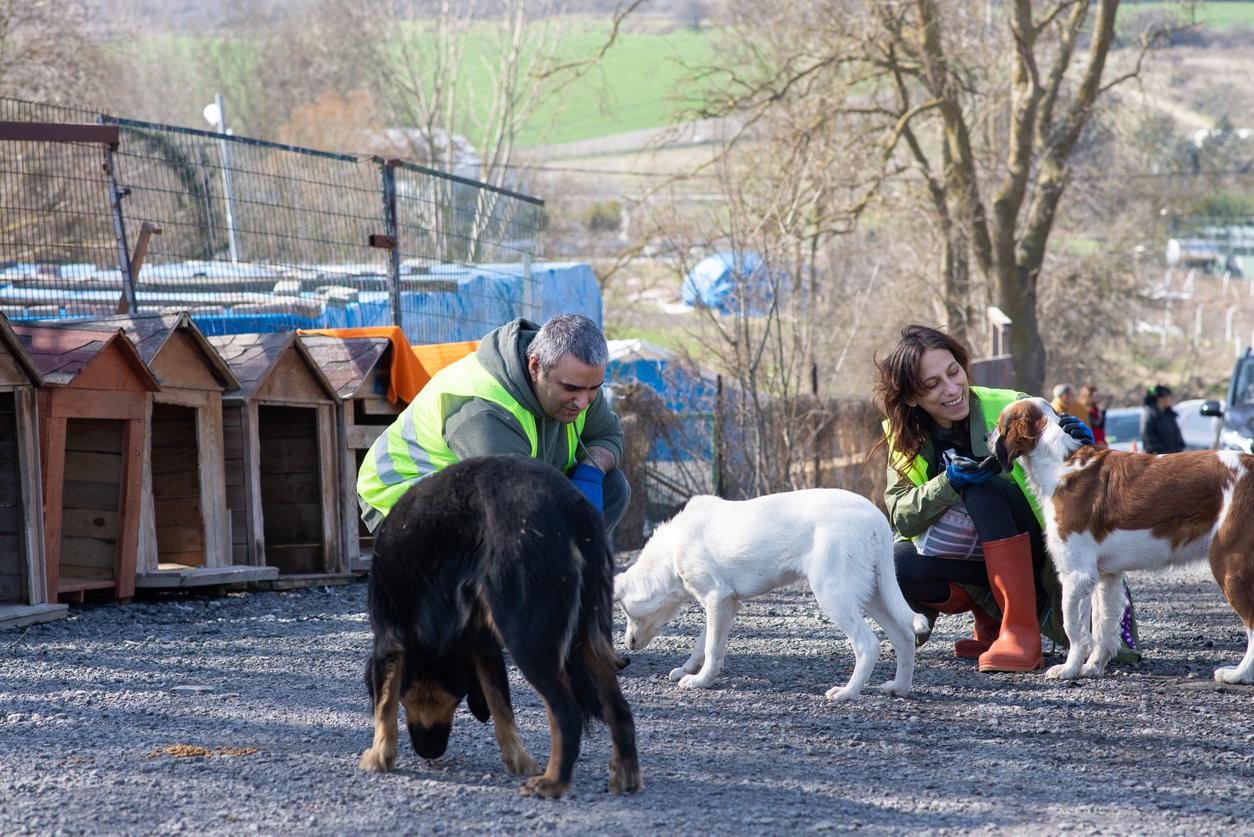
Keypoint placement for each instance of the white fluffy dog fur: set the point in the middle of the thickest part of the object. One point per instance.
(720, 552)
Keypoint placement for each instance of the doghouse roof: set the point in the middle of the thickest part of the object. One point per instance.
(152, 332)
(273, 366)
(63, 354)
(347, 361)
(23, 364)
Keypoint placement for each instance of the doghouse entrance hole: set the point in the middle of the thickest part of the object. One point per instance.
(90, 501)
(176, 487)
(291, 488)
(12, 549)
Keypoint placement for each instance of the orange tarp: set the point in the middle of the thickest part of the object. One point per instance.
(412, 366)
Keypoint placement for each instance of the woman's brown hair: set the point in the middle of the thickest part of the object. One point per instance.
(899, 380)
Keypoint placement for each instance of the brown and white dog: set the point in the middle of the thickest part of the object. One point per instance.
(1108, 512)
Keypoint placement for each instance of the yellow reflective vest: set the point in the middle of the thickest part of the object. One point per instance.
(413, 446)
(992, 402)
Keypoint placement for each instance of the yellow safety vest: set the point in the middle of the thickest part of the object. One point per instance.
(413, 446)
(992, 402)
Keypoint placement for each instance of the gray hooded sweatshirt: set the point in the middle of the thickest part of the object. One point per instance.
(477, 428)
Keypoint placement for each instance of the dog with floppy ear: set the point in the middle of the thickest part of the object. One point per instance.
(491, 552)
(1108, 512)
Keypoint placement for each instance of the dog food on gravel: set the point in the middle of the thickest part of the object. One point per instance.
(101, 734)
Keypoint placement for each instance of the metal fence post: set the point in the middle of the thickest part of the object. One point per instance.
(116, 193)
(394, 253)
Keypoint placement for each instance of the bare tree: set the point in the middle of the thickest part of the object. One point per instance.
(978, 107)
(46, 53)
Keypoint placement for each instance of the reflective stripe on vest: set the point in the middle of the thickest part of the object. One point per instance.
(992, 402)
(413, 446)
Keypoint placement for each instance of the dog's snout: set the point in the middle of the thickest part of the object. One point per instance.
(430, 742)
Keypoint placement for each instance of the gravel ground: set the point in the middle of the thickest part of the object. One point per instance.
(100, 732)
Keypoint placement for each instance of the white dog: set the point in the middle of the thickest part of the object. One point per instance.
(719, 552)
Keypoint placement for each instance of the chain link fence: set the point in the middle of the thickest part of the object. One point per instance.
(100, 215)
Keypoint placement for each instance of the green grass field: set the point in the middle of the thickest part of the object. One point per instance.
(1214, 14)
(639, 83)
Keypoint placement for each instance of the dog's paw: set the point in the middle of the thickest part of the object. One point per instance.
(892, 687)
(543, 786)
(625, 780)
(520, 763)
(695, 681)
(1093, 670)
(678, 674)
(376, 760)
(842, 693)
(1233, 675)
(1060, 672)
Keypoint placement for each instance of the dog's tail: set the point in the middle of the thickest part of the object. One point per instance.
(889, 590)
(591, 657)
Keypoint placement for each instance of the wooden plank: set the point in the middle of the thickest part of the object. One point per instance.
(181, 364)
(81, 494)
(286, 422)
(290, 379)
(52, 458)
(239, 554)
(182, 484)
(11, 549)
(232, 441)
(11, 587)
(175, 459)
(214, 515)
(11, 517)
(93, 467)
(174, 433)
(97, 435)
(11, 372)
(290, 456)
(18, 616)
(32, 492)
(236, 497)
(10, 492)
(8, 446)
(379, 407)
(177, 539)
(332, 537)
(362, 436)
(71, 403)
(232, 416)
(295, 558)
(205, 576)
(239, 526)
(179, 511)
(132, 482)
(292, 522)
(90, 523)
(289, 488)
(88, 552)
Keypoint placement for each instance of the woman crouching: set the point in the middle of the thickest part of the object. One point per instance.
(964, 525)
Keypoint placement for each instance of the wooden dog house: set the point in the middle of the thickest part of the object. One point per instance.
(282, 477)
(358, 368)
(92, 411)
(23, 578)
(185, 524)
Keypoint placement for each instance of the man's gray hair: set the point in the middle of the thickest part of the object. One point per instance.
(569, 334)
(1061, 390)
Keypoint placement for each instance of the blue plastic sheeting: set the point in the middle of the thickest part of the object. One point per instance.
(724, 281)
(691, 398)
(484, 297)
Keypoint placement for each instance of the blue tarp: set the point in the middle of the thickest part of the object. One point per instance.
(486, 296)
(725, 280)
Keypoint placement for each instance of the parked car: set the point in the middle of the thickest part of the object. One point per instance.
(1200, 430)
(1237, 411)
(1123, 427)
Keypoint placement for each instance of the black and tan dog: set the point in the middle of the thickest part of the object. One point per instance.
(492, 552)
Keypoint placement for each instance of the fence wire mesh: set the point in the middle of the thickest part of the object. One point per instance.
(249, 235)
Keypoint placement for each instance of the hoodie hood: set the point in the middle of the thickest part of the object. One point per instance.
(503, 353)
